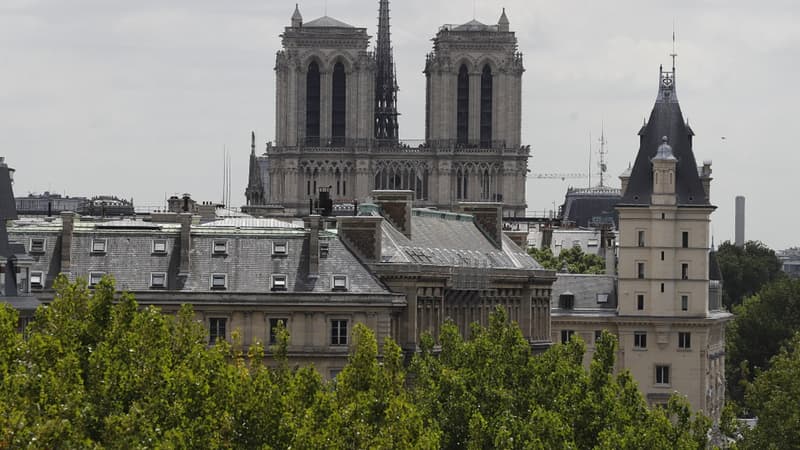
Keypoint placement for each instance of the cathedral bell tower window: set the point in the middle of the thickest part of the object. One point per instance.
(339, 105)
(462, 106)
(486, 107)
(312, 105)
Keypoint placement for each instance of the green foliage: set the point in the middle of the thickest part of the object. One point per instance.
(573, 259)
(746, 269)
(763, 323)
(100, 371)
(774, 397)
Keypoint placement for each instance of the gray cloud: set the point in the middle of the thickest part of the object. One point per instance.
(140, 98)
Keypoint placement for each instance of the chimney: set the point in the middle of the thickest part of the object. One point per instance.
(68, 219)
(705, 177)
(739, 222)
(396, 208)
(362, 235)
(312, 223)
(488, 217)
(185, 220)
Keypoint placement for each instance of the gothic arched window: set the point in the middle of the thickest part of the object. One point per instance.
(338, 105)
(486, 107)
(312, 104)
(462, 106)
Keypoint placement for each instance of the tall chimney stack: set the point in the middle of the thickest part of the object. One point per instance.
(739, 237)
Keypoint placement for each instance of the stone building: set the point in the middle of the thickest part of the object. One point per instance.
(336, 119)
(397, 270)
(666, 307)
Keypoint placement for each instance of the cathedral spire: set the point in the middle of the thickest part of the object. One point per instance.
(385, 82)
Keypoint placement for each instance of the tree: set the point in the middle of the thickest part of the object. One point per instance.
(573, 259)
(746, 269)
(763, 323)
(774, 397)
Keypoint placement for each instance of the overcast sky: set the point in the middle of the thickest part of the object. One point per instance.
(139, 98)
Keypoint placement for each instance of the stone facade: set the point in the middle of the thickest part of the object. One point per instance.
(325, 122)
(666, 308)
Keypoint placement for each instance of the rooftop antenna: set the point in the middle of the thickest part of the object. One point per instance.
(603, 152)
(590, 159)
(674, 53)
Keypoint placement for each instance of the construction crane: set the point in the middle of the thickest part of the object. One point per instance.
(556, 176)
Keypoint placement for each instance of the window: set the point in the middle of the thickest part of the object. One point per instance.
(592, 243)
(280, 248)
(662, 287)
(641, 238)
(339, 332)
(158, 280)
(566, 301)
(684, 271)
(220, 247)
(323, 249)
(602, 298)
(662, 374)
(684, 302)
(37, 245)
(98, 245)
(37, 280)
(279, 282)
(313, 104)
(219, 281)
(216, 329)
(338, 104)
(597, 334)
(274, 324)
(640, 270)
(462, 105)
(566, 335)
(662, 255)
(159, 246)
(339, 282)
(685, 239)
(640, 340)
(95, 277)
(663, 216)
(684, 340)
(640, 302)
(486, 107)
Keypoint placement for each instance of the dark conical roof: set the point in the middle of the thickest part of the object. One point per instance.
(667, 120)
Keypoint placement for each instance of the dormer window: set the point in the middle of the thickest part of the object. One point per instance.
(566, 300)
(220, 247)
(37, 280)
(99, 245)
(324, 248)
(37, 245)
(339, 283)
(278, 282)
(280, 248)
(158, 280)
(95, 277)
(219, 281)
(159, 246)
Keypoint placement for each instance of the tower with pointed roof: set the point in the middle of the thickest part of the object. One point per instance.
(671, 330)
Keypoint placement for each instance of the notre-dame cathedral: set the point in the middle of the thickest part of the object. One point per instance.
(336, 122)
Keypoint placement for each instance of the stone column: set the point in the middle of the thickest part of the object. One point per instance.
(474, 119)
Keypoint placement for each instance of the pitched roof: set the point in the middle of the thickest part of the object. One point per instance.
(591, 207)
(449, 239)
(667, 120)
(327, 22)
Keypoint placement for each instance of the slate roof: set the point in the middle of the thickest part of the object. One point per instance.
(666, 119)
(591, 207)
(585, 289)
(327, 22)
(248, 262)
(450, 239)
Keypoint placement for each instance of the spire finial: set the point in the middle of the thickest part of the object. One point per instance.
(674, 53)
(252, 142)
(385, 79)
